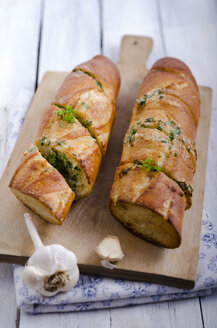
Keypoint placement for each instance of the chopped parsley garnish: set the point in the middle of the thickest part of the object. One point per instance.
(143, 100)
(186, 188)
(61, 124)
(174, 133)
(64, 166)
(61, 142)
(124, 172)
(137, 163)
(66, 113)
(44, 141)
(156, 168)
(85, 105)
(147, 164)
(99, 84)
(150, 166)
(32, 149)
(88, 123)
(51, 158)
(159, 127)
(149, 119)
(91, 75)
(131, 135)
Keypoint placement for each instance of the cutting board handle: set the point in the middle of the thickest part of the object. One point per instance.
(135, 50)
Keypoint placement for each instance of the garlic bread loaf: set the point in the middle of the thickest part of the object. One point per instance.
(153, 183)
(41, 187)
(73, 136)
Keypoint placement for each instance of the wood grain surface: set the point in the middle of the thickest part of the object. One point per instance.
(89, 220)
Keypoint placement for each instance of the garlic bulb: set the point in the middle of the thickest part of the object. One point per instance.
(110, 249)
(51, 269)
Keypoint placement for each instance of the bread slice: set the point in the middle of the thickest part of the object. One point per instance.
(70, 148)
(176, 66)
(91, 91)
(149, 204)
(105, 74)
(173, 85)
(41, 187)
(96, 112)
(169, 113)
(153, 149)
(72, 88)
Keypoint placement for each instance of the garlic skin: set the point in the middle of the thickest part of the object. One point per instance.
(51, 269)
(32, 277)
(108, 265)
(109, 249)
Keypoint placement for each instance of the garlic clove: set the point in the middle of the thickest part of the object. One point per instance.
(110, 249)
(32, 277)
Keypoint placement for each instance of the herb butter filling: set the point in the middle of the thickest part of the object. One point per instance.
(67, 167)
(143, 100)
(170, 135)
(99, 84)
(170, 128)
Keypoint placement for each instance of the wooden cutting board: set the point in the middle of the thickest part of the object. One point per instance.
(89, 220)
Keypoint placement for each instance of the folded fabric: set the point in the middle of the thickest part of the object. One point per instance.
(94, 292)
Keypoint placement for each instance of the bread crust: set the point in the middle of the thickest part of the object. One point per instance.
(176, 66)
(174, 85)
(105, 71)
(73, 86)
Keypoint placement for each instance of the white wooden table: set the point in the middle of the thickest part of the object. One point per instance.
(41, 35)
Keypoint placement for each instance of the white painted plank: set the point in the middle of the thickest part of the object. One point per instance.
(3, 138)
(90, 319)
(162, 315)
(70, 34)
(94, 319)
(8, 307)
(190, 33)
(51, 320)
(209, 309)
(19, 34)
(138, 17)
